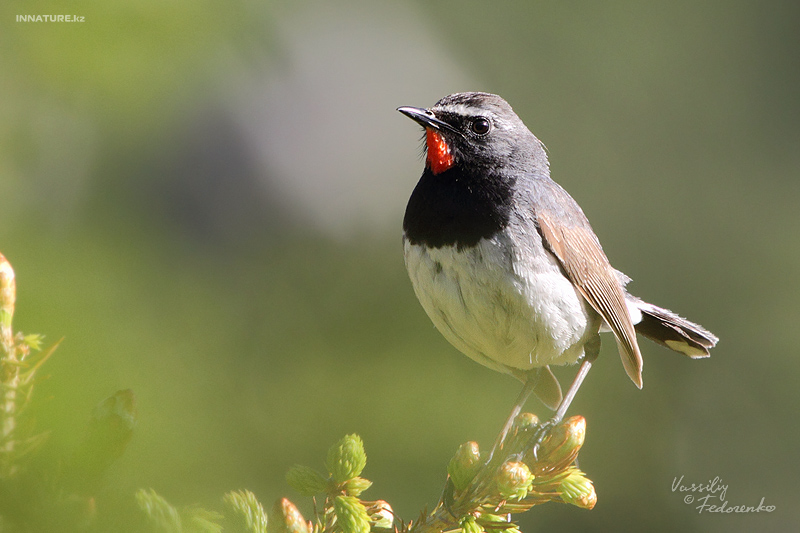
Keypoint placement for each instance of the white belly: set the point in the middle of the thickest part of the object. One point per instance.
(502, 308)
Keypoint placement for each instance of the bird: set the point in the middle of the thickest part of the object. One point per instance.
(506, 264)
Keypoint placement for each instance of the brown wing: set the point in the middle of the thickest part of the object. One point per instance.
(588, 268)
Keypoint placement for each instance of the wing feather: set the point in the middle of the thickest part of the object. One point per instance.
(586, 265)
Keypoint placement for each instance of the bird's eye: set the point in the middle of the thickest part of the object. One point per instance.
(481, 126)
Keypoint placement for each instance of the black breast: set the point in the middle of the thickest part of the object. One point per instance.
(457, 208)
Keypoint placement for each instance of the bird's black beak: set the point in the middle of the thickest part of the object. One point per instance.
(426, 119)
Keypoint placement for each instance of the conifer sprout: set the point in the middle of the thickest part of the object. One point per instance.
(21, 356)
(346, 458)
(480, 496)
(532, 464)
(244, 513)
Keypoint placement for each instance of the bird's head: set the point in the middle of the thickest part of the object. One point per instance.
(478, 130)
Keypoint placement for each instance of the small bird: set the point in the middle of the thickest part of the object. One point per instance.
(505, 263)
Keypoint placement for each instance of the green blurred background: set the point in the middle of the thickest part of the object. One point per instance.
(205, 199)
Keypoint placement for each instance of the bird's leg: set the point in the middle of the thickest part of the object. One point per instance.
(591, 351)
(527, 388)
(484, 477)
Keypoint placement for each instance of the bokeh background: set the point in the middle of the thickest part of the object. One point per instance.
(205, 198)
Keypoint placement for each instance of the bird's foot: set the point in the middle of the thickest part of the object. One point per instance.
(540, 434)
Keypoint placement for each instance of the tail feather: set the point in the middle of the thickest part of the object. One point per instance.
(676, 333)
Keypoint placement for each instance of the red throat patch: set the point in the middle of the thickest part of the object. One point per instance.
(439, 156)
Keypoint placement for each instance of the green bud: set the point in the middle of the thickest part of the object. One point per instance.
(526, 421)
(464, 465)
(524, 426)
(346, 458)
(285, 518)
(161, 515)
(514, 480)
(351, 515)
(470, 525)
(578, 490)
(244, 513)
(488, 518)
(381, 514)
(563, 443)
(306, 480)
(33, 341)
(357, 485)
